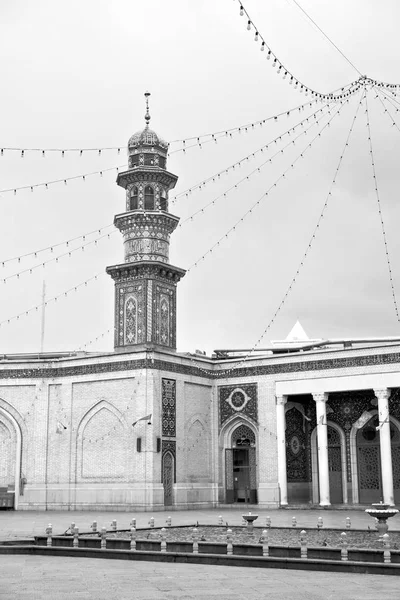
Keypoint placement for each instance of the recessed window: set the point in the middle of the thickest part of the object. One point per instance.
(148, 198)
(133, 201)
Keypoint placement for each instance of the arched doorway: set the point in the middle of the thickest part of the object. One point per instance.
(240, 467)
(369, 461)
(10, 461)
(335, 466)
(168, 478)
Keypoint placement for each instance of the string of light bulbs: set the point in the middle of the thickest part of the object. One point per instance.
(265, 194)
(255, 171)
(224, 372)
(238, 163)
(393, 101)
(214, 137)
(64, 180)
(54, 299)
(388, 261)
(57, 258)
(51, 248)
(287, 74)
(387, 112)
(310, 243)
(94, 340)
(23, 152)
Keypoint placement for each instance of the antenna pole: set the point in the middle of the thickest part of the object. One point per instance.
(43, 316)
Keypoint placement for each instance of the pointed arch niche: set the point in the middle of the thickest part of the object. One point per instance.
(10, 452)
(102, 444)
(197, 451)
(239, 445)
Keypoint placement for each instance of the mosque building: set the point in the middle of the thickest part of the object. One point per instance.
(301, 422)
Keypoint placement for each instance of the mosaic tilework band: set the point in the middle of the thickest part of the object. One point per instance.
(168, 402)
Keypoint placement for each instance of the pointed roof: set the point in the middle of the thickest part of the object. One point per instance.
(297, 334)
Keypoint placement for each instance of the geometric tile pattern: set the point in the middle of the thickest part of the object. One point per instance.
(168, 403)
(237, 399)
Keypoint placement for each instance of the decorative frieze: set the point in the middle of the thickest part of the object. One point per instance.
(234, 399)
(168, 407)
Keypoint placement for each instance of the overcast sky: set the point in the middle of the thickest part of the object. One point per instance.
(73, 74)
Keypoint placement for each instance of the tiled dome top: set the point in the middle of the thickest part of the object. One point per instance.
(146, 137)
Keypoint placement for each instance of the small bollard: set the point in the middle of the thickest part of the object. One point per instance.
(169, 521)
(133, 523)
(264, 541)
(348, 523)
(294, 522)
(195, 538)
(114, 525)
(49, 533)
(344, 553)
(151, 522)
(71, 528)
(75, 543)
(94, 526)
(103, 543)
(268, 522)
(303, 544)
(320, 523)
(163, 534)
(229, 544)
(386, 548)
(220, 520)
(133, 538)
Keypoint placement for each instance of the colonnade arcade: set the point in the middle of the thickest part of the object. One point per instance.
(338, 447)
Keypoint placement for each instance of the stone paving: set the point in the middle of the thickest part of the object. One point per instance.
(64, 578)
(61, 578)
(29, 523)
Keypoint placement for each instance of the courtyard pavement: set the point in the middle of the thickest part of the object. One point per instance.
(64, 578)
(23, 524)
(24, 577)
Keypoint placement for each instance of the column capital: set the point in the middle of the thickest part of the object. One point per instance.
(320, 397)
(382, 393)
(281, 400)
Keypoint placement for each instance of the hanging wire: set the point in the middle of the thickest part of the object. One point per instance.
(63, 151)
(380, 211)
(257, 170)
(281, 69)
(250, 210)
(53, 246)
(386, 111)
(75, 288)
(96, 339)
(239, 162)
(63, 180)
(388, 98)
(326, 36)
(287, 74)
(213, 137)
(57, 258)
(224, 372)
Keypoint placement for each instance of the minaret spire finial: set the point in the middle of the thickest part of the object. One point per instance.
(147, 115)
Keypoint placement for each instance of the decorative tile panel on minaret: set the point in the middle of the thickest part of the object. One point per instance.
(145, 284)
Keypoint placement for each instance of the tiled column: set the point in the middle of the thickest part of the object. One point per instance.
(281, 440)
(385, 445)
(322, 433)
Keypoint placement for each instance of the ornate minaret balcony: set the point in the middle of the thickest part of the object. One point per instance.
(145, 284)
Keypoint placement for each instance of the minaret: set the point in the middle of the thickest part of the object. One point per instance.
(145, 284)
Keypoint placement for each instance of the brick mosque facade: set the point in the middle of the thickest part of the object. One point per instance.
(146, 427)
